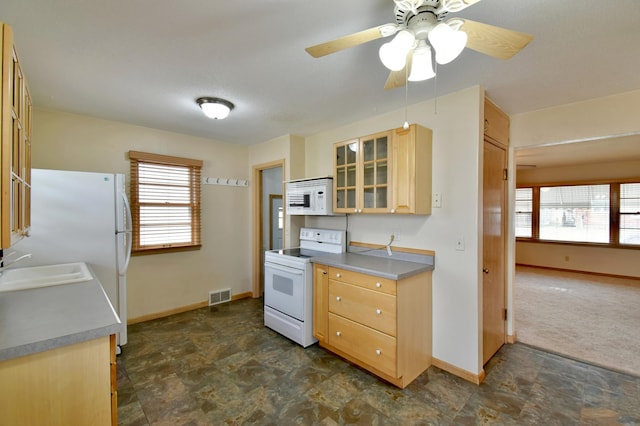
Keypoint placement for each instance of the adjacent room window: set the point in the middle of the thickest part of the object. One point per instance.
(630, 213)
(524, 212)
(578, 213)
(607, 213)
(165, 202)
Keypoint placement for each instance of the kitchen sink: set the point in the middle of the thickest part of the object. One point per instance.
(43, 276)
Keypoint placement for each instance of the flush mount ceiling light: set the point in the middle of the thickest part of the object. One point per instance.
(422, 28)
(215, 108)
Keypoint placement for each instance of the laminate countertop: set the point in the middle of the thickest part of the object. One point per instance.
(396, 267)
(45, 318)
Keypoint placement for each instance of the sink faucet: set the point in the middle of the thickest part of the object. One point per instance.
(4, 265)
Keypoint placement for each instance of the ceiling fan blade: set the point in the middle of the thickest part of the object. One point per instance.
(351, 40)
(457, 5)
(399, 78)
(494, 41)
(396, 79)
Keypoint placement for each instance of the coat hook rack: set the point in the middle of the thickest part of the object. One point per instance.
(224, 181)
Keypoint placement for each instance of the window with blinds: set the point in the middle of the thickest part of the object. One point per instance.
(575, 213)
(630, 213)
(524, 212)
(165, 202)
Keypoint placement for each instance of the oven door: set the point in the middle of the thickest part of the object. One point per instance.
(284, 289)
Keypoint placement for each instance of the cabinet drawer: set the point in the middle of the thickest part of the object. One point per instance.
(372, 282)
(371, 308)
(368, 345)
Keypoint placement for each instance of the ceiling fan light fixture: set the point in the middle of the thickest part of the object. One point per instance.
(421, 63)
(215, 108)
(447, 43)
(394, 53)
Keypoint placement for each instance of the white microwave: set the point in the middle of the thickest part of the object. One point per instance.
(312, 197)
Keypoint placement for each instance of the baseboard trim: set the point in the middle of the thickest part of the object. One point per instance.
(602, 274)
(182, 309)
(457, 371)
(512, 338)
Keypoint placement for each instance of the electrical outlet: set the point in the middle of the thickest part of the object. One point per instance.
(460, 244)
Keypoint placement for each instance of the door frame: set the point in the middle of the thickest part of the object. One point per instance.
(257, 287)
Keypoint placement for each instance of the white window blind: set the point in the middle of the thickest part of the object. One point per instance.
(165, 199)
(630, 213)
(575, 213)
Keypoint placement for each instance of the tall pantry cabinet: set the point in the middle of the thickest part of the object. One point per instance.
(15, 145)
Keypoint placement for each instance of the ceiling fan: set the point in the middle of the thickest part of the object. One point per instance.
(421, 25)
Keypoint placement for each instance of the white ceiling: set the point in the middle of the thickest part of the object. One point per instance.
(146, 61)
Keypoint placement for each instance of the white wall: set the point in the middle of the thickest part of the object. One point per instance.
(457, 136)
(271, 184)
(162, 282)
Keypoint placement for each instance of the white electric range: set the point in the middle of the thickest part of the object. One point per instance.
(288, 283)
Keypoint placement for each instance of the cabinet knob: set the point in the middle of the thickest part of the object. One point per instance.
(393, 210)
(378, 285)
(338, 333)
(378, 311)
(378, 352)
(355, 210)
(338, 298)
(338, 275)
(485, 270)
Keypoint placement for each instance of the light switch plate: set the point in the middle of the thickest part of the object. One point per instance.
(437, 201)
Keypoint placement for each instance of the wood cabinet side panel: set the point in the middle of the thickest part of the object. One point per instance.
(63, 386)
(6, 135)
(414, 326)
(320, 302)
(423, 169)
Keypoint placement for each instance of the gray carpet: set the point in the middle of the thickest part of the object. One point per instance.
(587, 317)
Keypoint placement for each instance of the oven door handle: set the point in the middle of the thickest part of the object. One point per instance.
(284, 269)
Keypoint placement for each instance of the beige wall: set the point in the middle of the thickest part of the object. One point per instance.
(457, 136)
(600, 118)
(161, 282)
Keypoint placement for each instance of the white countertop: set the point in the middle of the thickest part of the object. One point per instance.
(46, 318)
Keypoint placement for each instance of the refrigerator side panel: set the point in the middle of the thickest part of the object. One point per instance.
(73, 220)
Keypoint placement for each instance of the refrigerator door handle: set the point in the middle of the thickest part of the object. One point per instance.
(128, 230)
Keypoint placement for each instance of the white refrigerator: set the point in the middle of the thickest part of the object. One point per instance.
(82, 217)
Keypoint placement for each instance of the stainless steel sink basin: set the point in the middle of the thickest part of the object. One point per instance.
(43, 276)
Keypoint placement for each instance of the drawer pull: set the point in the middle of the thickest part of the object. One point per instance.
(338, 275)
(338, 298)
(379, 311)
(378, 285)
(378, 352)
(338, 333)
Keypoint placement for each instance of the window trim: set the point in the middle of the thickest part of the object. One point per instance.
(614, 212)
(195, 166)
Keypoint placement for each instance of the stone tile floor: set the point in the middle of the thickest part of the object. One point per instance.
(220, 366)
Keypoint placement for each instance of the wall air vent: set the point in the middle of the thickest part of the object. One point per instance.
(219, 296)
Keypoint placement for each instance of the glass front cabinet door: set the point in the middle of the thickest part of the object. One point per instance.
(362, 174)
(346, 172)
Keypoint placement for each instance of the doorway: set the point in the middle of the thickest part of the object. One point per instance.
(267, 224)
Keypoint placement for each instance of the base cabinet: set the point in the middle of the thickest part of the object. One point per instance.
(379, 324)
(70, 385)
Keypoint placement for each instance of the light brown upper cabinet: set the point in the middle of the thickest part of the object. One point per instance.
(15, 142)
(387, 172)
(496, 123)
